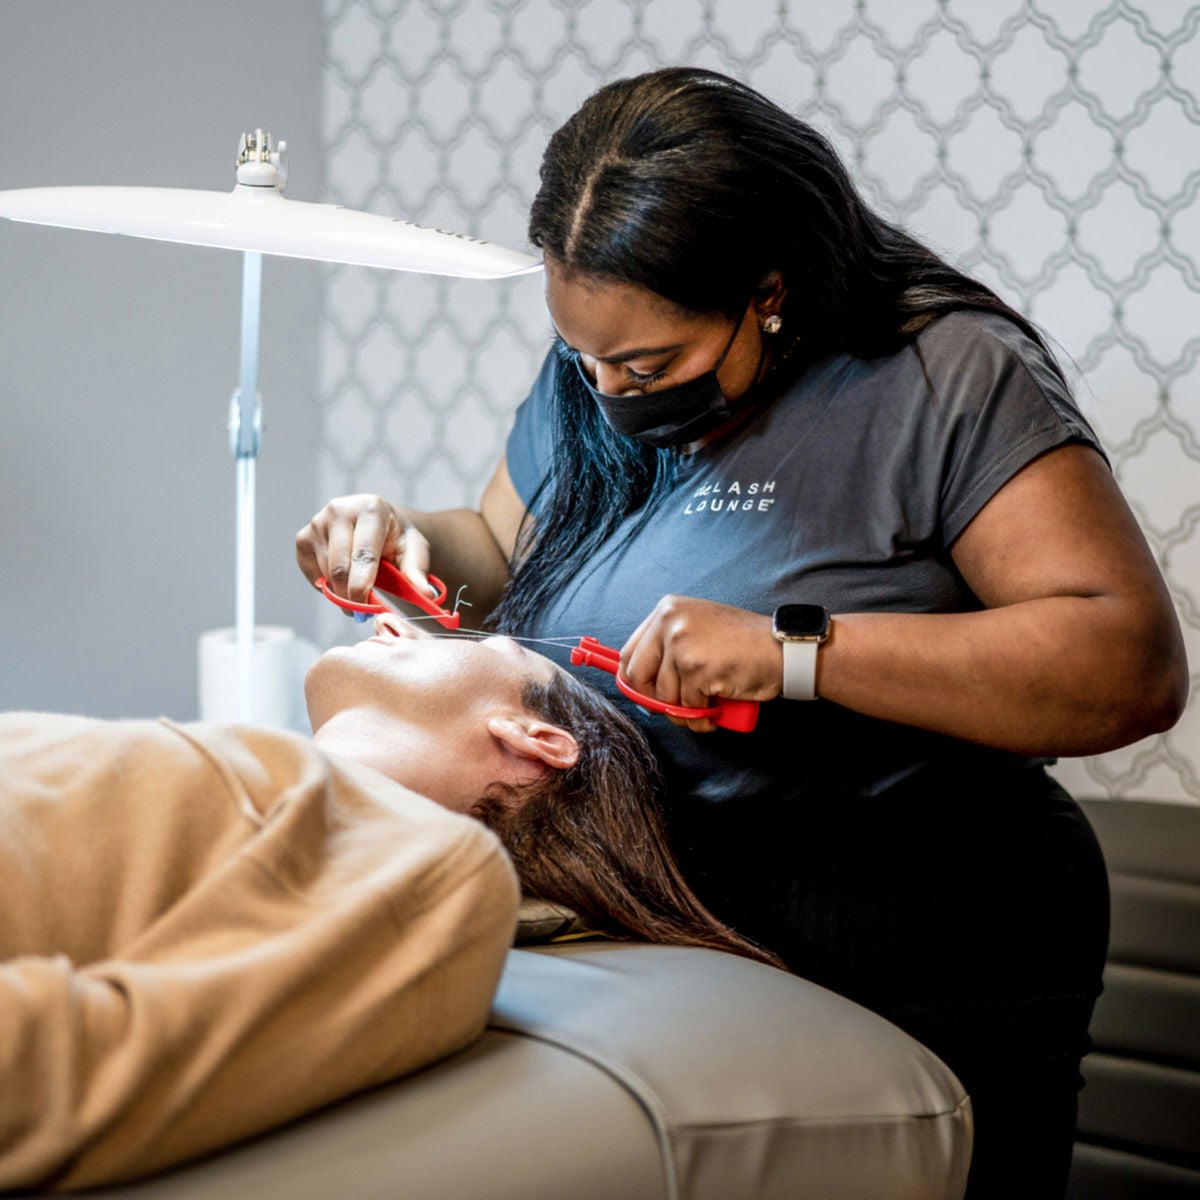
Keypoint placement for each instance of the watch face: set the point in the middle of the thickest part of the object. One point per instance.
(802, 621)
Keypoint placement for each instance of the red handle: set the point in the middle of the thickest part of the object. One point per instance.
(371, 606)
(389, 579)
(591, 653)
(741, 716)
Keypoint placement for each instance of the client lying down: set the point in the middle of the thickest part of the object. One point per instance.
(206, 931)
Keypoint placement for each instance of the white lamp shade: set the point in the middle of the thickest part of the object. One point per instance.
(261, 219)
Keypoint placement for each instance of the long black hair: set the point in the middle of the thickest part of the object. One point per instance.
(694, 186)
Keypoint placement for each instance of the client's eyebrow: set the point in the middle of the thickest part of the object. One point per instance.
(625, 355)
(527, 653)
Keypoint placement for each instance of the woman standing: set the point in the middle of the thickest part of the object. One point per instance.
(799, 455)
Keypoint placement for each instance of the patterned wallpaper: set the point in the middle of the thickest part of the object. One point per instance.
(1052, 147)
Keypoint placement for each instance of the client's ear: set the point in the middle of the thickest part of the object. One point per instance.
(540, 741)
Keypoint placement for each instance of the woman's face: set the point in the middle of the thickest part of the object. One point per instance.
(633, 341)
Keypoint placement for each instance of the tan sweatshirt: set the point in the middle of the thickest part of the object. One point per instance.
(205, 932)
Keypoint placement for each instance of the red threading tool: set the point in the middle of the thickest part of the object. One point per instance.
(738, 715)
(389, 579)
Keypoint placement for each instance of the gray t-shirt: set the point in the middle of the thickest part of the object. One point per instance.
(848, 490)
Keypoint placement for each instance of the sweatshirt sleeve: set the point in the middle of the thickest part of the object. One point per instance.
(353, 935)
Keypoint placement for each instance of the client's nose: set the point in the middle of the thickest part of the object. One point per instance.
(387, 625)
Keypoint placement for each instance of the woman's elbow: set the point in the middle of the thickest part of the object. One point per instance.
(1168, 695)
(1157, 690)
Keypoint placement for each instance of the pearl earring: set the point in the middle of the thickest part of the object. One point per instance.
(773, 323)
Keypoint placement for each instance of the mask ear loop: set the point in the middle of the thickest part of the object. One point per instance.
(732, 337)
(762, 353)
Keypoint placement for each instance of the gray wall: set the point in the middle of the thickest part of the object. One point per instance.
(118, 355)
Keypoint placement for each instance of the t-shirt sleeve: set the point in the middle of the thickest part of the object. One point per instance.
(999, 402)
(530, 442)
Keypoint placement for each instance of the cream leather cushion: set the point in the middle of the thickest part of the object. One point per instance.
(757, 1084)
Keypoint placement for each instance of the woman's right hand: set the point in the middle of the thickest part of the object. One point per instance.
(348, 538)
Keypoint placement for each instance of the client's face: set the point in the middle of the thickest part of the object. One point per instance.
(445, 717)
(415, 677)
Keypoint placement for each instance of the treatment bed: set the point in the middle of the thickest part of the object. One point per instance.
(633, 1071)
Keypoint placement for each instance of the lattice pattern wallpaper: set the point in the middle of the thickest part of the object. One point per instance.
(1052, 147)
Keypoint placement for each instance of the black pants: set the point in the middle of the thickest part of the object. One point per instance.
(976, 921)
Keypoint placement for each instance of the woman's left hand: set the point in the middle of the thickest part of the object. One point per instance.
(690, 651)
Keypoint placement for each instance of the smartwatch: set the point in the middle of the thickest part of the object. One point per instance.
(801, 628)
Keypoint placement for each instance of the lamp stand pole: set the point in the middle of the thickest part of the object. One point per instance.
(245, 435)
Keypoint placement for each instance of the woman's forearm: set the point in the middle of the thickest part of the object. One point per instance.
(1063, 674)
(471, 549)
(466, 557)
(1060, 675)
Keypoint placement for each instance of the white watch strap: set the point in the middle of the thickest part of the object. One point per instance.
(800, 670)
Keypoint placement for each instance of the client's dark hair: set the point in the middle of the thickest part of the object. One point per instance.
(592, 837)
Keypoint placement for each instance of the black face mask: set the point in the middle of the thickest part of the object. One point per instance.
(672, 416)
